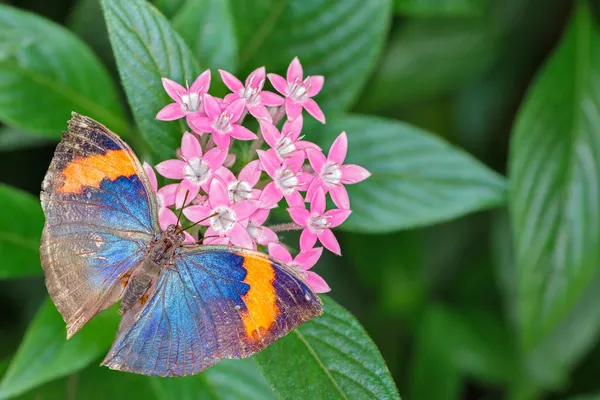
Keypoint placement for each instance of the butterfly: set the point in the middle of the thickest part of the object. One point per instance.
(183, 307)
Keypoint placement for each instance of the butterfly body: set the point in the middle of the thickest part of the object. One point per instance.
(183, 307)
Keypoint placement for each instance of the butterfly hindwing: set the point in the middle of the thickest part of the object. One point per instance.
(214, 302)
(100, 217)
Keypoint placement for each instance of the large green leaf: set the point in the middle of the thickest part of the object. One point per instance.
(554, 194)
(147, 48)
(329, 357)
(45, 354)
(49, 74)
(340, 39)
(21, 222)
(228, 380)
(207, 27)
(417, 178)
(16, 139)
(435, 8)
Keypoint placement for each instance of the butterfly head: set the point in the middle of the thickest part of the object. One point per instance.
(175, 234)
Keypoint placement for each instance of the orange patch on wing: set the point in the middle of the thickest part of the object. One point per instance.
(261, 300)
(91, 170)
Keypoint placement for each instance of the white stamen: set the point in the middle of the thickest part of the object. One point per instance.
(332, 174)
(190, 102)
(222, 123)
(224, 221)
(196, 171)
(285, 147)
(318, 223)
(240, 190)
(287, 180)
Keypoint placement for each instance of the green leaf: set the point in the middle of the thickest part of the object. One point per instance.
(147, 48)
(169, 7)
(228, 380)
(21, 222)
(329, 357)
(207, 27)
(50, 74)
(417, 178)
(554, 199)
(16, 139)
(45, 354)
(439, 8)
(340, 39)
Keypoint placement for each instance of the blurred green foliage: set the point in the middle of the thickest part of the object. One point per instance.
(472, 258)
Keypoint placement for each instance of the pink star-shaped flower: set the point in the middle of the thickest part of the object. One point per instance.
(260, 234)
(317, 223)
(195, 169)
(288, 177)
(298, 92)
(242, 187)
(255, 98)
(229, 223)
(301, 264)
(165, 197)
(222, 122)
(188, 102)
(332, 174)
(286, 143)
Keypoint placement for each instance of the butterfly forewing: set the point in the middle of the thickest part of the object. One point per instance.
(100, 218)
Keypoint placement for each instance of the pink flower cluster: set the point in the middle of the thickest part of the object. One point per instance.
(234, 207)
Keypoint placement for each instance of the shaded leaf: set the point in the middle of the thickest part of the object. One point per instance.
(436, 8)
(228, 380)
(21, 222)
(169, 7)
(147, 48)
(329, 357)
(273, 32)
(15, 139)
(417, 178)
(554, 196)
(50, 74)
(45, 354)
(207, 27)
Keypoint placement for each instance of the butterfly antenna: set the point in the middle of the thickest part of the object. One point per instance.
(181, 209)
(203, 219)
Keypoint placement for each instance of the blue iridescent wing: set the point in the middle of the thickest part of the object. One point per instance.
(214, 302)
(100, 218)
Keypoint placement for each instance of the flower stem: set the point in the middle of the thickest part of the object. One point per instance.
(291, 226)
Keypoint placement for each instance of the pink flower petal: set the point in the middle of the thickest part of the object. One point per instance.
(270, 133)
(167, 193)
(236, 109)
(295, 161)
(279, 83)
(270, 196)
(299, 215)
(230, 98)
(151, 176)
(251, 173)
(172, 169)
(187, 191)
(313, 109)
(173, 89)
(226, 175)
(190, 147)
(316, 283)
(328, 240)
(304, 180)
(188, 238)
(270, 99)
(221, 140)
(269, 162)
(202, 83)
(279, 252)
(223, 241)
(338, 150)
(294, 71)
(242, 133)
(337, 216)
(201, 125)
(218, 194)
(293, 109)
(306, 260)
(295, 200)
(166, 217)
(256, 79)
(313, 187)
(265, 235)
(339, 195)
(170, 112)
(318, 203)
(240, 237)
(229, 161)
(231, 81)
(316, 84)
(190, 116)
(317, 160)
(215, 157)
(353, 173)
(212, 108)
(307, 240)
(259, 112)
(244, 209)
(293, 127)
(198, 213)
